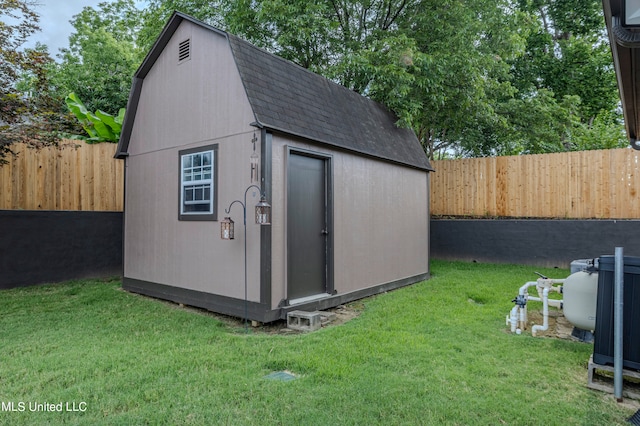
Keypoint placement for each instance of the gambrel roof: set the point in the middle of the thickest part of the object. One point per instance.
(290, 99)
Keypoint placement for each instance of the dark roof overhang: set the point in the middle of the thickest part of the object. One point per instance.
(625, 49)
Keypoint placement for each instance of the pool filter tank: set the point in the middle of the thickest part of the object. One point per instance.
(580, 296)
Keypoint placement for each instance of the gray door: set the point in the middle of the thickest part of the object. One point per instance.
(306, 226)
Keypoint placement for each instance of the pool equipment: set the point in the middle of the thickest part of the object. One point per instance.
(579, 298)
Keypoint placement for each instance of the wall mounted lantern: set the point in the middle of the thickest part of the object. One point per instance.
(624, 26)
(631, 13)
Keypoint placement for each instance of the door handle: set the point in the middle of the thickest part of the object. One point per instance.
(324, 232)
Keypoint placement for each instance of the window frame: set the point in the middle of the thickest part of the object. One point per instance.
(213, 202)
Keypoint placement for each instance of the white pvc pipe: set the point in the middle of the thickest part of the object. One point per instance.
(556, 303)
(523, 289)
(513, 318)
(520, 321)
(545, 313)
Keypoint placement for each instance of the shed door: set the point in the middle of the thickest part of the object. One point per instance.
(307, 222)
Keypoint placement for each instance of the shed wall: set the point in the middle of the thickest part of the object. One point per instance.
(199, 99)
(195, 103)
(380, 220)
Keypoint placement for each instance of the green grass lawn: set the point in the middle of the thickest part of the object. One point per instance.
(429, 354)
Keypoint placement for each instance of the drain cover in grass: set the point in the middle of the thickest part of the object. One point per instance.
(281, 376)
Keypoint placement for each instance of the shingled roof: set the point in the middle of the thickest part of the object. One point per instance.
(293, 100)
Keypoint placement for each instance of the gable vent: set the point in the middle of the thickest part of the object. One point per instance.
(184, 50)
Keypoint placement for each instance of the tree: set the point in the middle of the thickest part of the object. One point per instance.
(567, 56)
(157, 12)
(456, 72)
(28, 113)
(12, 37)
(474, 78)
(103, 55)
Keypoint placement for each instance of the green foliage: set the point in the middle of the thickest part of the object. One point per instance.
(460, 72)
(100, 126)
(433, 63)
(29, 112)
(434, 353)
(18, 22)
(157, 12)
(471, 78)
(604, 132)
(103, 55)
(567, 57)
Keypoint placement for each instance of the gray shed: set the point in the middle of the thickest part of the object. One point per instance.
(349, 190)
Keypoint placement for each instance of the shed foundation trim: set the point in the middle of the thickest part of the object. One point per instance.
(256, 311)
(211, 302)
(340, 299)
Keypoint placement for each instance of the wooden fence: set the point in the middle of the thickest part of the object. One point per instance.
(585, 184)
(74, 176)
(603, 184)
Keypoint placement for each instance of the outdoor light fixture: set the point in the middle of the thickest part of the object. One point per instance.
(263, 217)
(631, 13)
(226, 229)
(263, 212)
(626, 25)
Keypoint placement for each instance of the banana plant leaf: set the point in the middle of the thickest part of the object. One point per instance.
(78, 109)
(120, 117)
(102, 129)
(76, 106)
(101, 126)
(110, 121)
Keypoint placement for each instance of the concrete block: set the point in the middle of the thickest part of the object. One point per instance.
(304, 321)
(600, 377)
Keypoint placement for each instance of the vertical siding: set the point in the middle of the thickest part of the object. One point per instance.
(161, 249)
(72, 176)
(195, 103)
(380, 219)
(199, 99)
(601, 184)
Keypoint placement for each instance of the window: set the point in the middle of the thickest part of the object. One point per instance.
(198, 183)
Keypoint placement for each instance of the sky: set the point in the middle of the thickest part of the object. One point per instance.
(54, 22)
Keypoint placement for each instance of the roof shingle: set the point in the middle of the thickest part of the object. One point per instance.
(288, 98)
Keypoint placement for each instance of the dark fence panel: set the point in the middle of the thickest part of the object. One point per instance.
(549, 243)
(50, 246)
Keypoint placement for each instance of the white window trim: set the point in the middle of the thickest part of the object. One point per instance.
(210, 213)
